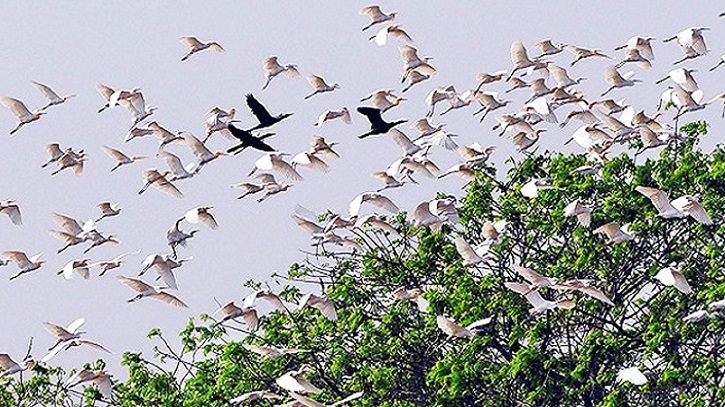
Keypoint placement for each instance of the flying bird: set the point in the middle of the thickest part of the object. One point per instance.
(158, 180)
(322, 303)
(584, 53)
(145, 290)
(615, 233)
(10, 367)
(320, 86)
(617, 80)
(328, 115)
(260, 112)
(53, 98)
(679, 208)
(453, 330)
(12, 210)
(231, 312)
(195, 46)
(246, 139)
(377, 124)
(272, 68)
(120, 157)
(107, 210)
(376, 16)
(275, 162)
(24, 263)
(393, 30)
(673, 277)
(201, 214)
(22, 114)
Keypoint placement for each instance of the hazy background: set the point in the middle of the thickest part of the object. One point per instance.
(71, 46)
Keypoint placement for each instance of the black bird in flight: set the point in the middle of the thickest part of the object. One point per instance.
(248, 140)
(261, 113)
(377, 124)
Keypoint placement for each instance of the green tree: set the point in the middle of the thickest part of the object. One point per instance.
(394, 351)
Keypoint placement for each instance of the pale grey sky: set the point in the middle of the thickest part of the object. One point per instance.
(73, 46)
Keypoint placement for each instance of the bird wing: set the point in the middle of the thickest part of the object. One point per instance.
(519, 288)
(105, 91)
(448, 326)
(54, 150)
(303, 401)
(272, 298)
(242, 135)
(173, 162)
(659, 198)
(191, 42)
(382, 201)
(135, 284)
(54, 351)
(399, 33)
(519, 57)
(409, 148)
(134, 103)
(196, 146)
(169, 299)
(285, 168)
(381, 38)
(93, 344)
(306, 159)
(167, 276)
(290, 383)
(208, 220)
(527, 273)
(610, 229)
(632, 375)
(596, 294)
(164, 185)
(271, 64)
(116, 154)
(69, 224)
(17, 107)
(317, 82)
(408, 53)
(612, 76)
(698, 44)
(355, 204)
(373, 12)
(327, 308)
(48, 92)
(373, 115)
(680, 282)
(7, 363)
(258, 110)
(229, 309)
(56, 330)
(250, 318)
(693, 208)
(13, 212)
(466, 251)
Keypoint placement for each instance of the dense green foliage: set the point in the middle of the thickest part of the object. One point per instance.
(396, 354)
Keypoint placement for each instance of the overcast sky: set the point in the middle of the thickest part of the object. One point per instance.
(72, 46)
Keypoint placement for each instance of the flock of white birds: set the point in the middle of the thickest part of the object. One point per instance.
(540, 79)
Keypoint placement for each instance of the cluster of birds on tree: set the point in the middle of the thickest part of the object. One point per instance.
(604, 124)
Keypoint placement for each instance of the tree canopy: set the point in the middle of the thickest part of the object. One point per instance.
(601, 315)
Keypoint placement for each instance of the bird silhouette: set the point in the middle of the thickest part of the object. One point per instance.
(261, 113)
(377, 124)
(248, 140)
